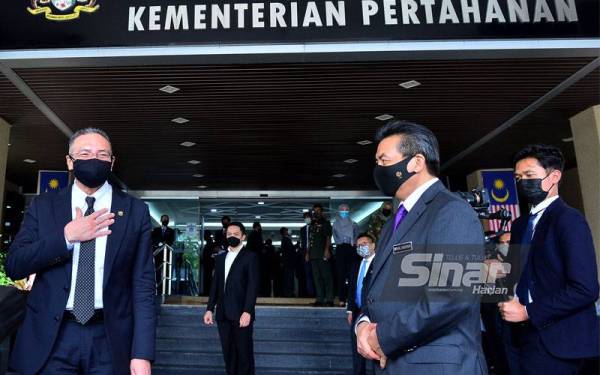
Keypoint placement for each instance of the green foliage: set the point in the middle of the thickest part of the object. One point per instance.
(4, 280)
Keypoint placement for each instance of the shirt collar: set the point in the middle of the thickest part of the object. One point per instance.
(80, 195)
(412, 199)
(370, 257)
(543, 205)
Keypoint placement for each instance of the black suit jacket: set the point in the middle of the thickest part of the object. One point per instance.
(240, 292)
(128, 286)
(564, 280)
(168, 238)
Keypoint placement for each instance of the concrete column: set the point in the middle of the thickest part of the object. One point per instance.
(585, 127)
(4, 138)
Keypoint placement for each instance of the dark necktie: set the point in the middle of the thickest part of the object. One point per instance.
(83, 303)
(400, 215)
(524, 285)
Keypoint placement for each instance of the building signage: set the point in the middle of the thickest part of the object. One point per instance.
(125, 23)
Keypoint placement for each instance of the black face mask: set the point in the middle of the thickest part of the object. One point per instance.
(165, 223)
(389, 179)
(91, 172)
(531, 190)
(386, 212)
(233, 241)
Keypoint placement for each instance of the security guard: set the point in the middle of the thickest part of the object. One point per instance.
(319, 255)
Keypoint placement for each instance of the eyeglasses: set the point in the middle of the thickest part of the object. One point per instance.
(86, 155)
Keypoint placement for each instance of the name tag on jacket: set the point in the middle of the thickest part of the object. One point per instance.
(402, 247)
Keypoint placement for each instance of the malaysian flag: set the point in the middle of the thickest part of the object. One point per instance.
(503, 194)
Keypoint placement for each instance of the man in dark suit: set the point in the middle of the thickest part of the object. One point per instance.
(359, 283)
(233, 292)
(409, 327)
(553, 314)
(164, 235)
(221, 234)
(91, 309)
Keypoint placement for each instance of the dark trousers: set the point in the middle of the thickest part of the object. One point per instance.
(345, 258)
(534, 358)
(323, 279)
(80, 350)
(288, 282)
(238, 347)
(301, 276)
(359, 363)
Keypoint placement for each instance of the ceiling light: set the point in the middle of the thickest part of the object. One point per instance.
(169, 89)
(305, 210)
(202, 187)
(30, 161)
(339, 175)
(350, 161)
(329, 187)
(180, 120)
(198, 175)
(187, 144)
(212, 209)
(410, 84)
(570, 139)
(365, 142)
(384, 117)
(261, 203)
(194, 162)
(257, 217)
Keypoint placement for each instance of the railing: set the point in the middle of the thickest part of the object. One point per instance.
(189, 277)
(166, 269)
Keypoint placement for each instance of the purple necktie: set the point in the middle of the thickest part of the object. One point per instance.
(400, 215)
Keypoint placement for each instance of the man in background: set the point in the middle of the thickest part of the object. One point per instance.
(233, 293)
(319, 254)
(365, 248)
(345, 231)
(161, 236)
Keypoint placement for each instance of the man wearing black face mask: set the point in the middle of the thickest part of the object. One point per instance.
(553, 318)
(164, 235)
(410, 328)
(233, 293)
(91, 309)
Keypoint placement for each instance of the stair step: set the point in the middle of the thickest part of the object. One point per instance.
(265, 334)
(195, 321)
(263, 311)
(201, 370)
(301, 362)
(280, 347)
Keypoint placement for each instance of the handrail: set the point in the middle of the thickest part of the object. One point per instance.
(166, 268)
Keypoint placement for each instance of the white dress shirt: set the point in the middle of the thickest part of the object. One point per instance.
(103, 200)
(229, 259)
(408, 203)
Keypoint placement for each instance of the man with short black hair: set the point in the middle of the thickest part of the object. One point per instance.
(416, 329)
(359, 280)
(91, 309)
(221, 235)
(554, 318)
(233, 293)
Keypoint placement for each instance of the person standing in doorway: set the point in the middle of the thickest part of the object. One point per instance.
(233, 295)
(319, 254)
(221, 234)
(345, 231)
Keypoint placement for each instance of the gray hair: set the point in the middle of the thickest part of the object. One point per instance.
(85, 131)
(416, 139)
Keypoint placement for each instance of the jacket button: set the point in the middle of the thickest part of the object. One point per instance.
(66, 288)
(370, 301)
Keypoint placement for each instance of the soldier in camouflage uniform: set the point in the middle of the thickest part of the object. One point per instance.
(319, 255)
(379, 218)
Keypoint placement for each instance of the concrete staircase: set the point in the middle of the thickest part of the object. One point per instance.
(287, 340)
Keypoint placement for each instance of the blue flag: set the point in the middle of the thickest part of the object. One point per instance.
(501, 186)
(52, 181)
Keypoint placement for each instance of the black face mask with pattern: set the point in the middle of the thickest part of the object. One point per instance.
(389, 178)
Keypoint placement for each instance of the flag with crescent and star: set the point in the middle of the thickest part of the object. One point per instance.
(52, 181)
(503, 193)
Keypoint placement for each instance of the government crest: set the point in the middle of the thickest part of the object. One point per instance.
(62, 10)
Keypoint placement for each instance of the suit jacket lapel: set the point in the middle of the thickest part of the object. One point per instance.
(63, 214)
(120, 207)
(411, 218)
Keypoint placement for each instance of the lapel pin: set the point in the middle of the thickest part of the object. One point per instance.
(120, 213)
